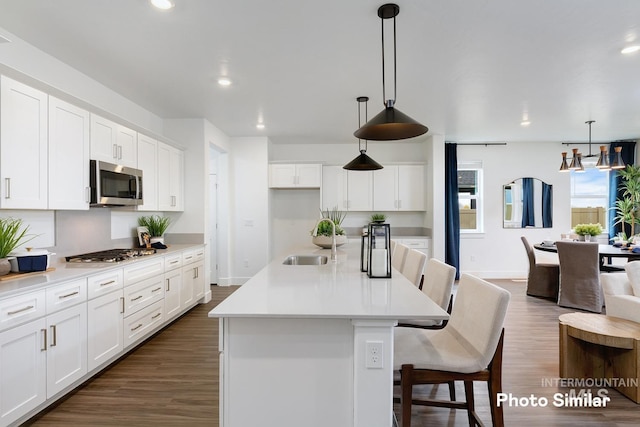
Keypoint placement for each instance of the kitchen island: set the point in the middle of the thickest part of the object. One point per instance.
(312, 345)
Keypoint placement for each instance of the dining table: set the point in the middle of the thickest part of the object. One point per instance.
(605, 253)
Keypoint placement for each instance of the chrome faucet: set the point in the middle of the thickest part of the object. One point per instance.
(334, 252)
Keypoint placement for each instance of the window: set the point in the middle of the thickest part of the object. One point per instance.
(590, 197)
(470, 196)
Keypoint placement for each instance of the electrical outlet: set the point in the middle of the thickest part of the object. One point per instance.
(373, 355)
(246, 263)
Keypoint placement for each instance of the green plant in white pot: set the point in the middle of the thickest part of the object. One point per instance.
(588, 230)
(156, 225)
(12, 235)
(322, 234)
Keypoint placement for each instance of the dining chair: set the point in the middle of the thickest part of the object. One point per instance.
(468, 349)
(580, 276)
(438, 284)
(543, 279)
(413, 267)
(399, 254)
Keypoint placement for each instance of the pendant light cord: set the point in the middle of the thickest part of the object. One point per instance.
(366, 114)
(395, 62)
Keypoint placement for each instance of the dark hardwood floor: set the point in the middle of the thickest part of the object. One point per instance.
(172, 380)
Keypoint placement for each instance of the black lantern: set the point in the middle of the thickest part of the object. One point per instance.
(364, 253)
(379, 265)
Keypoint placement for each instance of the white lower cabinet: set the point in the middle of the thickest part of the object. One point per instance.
(23, 364)
(192, 277)
(172, 284)
(105, 319)
(67, 348)
(41, 358)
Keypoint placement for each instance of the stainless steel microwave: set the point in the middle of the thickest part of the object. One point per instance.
(114, 185)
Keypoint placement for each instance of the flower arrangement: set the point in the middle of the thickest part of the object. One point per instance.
(588, 229)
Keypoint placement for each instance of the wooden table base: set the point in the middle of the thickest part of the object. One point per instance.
(598, 346)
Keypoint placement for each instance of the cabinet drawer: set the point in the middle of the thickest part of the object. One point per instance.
(142, 323)
(188, 256)
(103, 283)
(171, 262)
(22, 308)
(142, 294)
(199, 254)
(66, 295)
(416, 243)
(143, 270)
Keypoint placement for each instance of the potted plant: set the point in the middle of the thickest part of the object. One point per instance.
(378, 218)
(156, 225)
(322, 233)
(12, 235)
(628, 206)
(587, 230)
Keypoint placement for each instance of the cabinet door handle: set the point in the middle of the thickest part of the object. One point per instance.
(122, 305)
(7, 188)
(119, 152)
(87, 194)
(110, 282)
(168, 286)
(173, 262)
(44, 340)
(136, 298)
(156, 316)
(156, 289)
(20, 310)
(138, 326)
(114, 151)
(195, 273)
(68, 295)
(54, 336)
(399, 204)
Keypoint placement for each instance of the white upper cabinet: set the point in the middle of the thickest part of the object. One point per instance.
(113, 143)
(347, 190)
(296, 175)
(23, 146)
(68, 156)
(399, 188)
(148, 164)
(170, 178)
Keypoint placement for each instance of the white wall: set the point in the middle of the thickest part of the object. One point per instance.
(498, 252)
(249, 213)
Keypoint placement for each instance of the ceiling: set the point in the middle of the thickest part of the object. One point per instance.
(468, 69)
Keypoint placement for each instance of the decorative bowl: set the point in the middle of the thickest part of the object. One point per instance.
(326, 241)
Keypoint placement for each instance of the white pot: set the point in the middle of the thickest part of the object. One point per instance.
(159, 239)
(326, 241)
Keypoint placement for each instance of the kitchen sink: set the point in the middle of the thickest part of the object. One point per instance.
(305, 260)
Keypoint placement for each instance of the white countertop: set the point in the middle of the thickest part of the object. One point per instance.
(69, 271)
(334, 290)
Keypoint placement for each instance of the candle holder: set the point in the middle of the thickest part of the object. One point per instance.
(379, 251)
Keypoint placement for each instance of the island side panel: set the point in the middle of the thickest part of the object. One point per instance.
(287, 372)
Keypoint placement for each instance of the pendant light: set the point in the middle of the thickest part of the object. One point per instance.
(390, 123)
(578, 161)
(362, 162)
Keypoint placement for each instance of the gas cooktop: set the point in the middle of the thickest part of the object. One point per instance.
(111, 255)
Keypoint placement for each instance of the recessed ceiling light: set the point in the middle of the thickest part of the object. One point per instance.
(163, 4)
(525, 123)
(224, 81)
(260, 126)
(630, 49)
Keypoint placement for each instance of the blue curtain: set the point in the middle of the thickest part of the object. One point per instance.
(547, 205)
(615, 181)
(452, 209)
(528, 211)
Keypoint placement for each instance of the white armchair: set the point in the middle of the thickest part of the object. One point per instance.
(619, 298)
